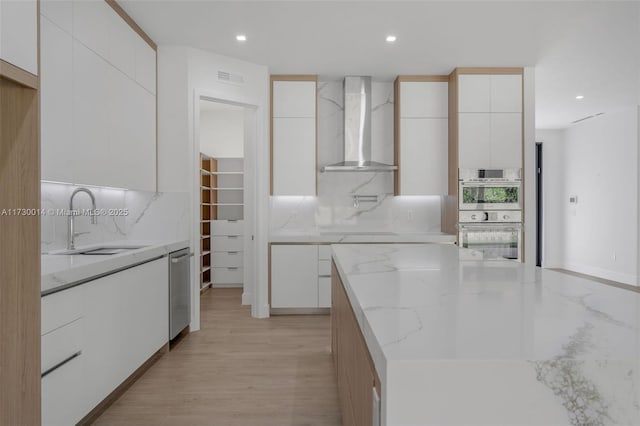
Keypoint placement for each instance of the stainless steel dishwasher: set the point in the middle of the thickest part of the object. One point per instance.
(179, 291)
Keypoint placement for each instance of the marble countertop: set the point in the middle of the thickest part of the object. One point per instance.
(59, 270)
(359, 237)
(512, 344)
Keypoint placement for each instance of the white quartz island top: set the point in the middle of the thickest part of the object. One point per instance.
(461, 342)
(351, 237)
(62, 270)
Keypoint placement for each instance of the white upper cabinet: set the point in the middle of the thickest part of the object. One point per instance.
(424, 99)
(92, 21)
(423, 156)
(423, 137)
(294, 99)
(19, 34)
(474, 93)
(506, 140)
(506, 93)
(60, 12)
(122, 42)
(293, 150)
(474, 140)
(294, 158)
(56, 97)
(145, 65)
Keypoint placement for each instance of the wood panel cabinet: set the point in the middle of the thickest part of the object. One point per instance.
(293, 135)
(421, 129)
(19, 34)
(356, 374)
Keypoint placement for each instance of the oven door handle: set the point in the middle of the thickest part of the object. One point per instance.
(494, 227)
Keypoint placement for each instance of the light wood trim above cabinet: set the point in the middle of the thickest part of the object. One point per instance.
(129, 20)
(288, 77)
(20, 76)
(488, 70)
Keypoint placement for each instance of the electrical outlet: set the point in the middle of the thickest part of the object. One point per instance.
(409, 215)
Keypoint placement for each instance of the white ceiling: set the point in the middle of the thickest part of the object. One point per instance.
(577, 47)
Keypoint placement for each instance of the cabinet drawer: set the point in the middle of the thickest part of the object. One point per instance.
(228, 243)
(229, 275)
(61, 344)
(227, 258)
(61, 308)
(324, 268)
(227, 227)
(324, 252)
(324, 292)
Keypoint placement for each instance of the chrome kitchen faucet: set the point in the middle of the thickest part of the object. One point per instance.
(71, 225)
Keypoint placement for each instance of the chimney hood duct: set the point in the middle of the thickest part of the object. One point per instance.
(357, 130)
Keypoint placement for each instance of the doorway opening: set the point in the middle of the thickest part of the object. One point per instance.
(226, 135)
(539, 218)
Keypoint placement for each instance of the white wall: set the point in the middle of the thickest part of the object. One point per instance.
(184, 72)
(596, 160)
(221, 130)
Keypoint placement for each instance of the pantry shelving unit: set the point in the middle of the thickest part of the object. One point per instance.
(208, 212)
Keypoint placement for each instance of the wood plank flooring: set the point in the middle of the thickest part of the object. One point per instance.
(238, 370)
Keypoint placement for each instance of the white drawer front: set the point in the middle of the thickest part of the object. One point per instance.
(61, 308)
(324, 268)
(227, 258)
(230, 275)
(227, 243)
(324, 252)
(61, 344)
(227, 227)
(324, 292)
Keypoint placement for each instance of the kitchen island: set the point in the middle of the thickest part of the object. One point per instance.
(454, 341)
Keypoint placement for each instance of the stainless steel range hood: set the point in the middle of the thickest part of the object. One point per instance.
(357, 130)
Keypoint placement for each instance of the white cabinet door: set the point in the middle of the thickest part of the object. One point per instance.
(56, 88)
(121, 45)
(474, 140)
(474, 93)
(126, 321)
(91, 119)
(294, 276)
(92, 24)
(19, 34)
(60, 12)
(506, 93)
(294, 156)
(506, 140)
(324, 292)
(424, 99)
(423, 156)
(145, 65)
(294, 99)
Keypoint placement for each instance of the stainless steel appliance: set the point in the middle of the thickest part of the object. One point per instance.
(496, 234)
(484, 189)
(179, 291)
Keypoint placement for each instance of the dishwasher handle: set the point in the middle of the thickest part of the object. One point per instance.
(181, 258)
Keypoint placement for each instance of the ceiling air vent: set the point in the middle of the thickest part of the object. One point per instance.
(227, 77)
(587, 117)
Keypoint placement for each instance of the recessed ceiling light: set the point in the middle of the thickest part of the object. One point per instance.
(580, 97)
(241, 37)
(391, 38)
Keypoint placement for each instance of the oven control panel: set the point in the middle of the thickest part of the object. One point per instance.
(495, 216)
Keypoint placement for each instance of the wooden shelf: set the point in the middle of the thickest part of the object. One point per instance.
(227, 173)
(228, 204)
(227, 189)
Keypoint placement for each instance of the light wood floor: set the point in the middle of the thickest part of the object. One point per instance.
(238, 371)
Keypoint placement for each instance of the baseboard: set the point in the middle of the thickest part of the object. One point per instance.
(122, 388)
(601, 273)
(247, 299)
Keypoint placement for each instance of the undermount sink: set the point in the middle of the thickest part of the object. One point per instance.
(100, 251)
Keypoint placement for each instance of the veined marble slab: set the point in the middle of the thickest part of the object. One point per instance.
(494, 342)
(59, 270)
(360, 237)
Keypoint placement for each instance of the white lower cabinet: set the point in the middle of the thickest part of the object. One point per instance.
(227, 253)
(124, 321)
(300, 276)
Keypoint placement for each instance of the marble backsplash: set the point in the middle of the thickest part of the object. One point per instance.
(135, 215)
(334, 208)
